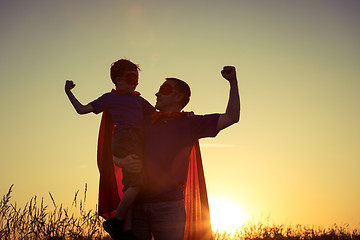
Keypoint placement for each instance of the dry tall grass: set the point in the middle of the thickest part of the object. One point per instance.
(265, 230)
(37, 221)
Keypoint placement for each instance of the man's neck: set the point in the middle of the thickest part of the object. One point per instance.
(170, 110)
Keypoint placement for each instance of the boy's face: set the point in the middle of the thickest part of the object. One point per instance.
(128, 81)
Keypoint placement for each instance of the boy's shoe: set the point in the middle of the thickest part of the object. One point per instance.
(128, 235)
(114, 227)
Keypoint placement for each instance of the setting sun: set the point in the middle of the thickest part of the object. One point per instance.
(226, 215)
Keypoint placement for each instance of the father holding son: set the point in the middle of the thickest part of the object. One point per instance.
(162, 210)
(161, 148)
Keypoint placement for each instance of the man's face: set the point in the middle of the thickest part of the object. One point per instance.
(166, 96)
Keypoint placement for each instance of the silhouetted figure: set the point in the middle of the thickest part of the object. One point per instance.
(174, 184)
(125, 109)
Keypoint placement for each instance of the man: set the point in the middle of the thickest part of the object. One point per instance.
(169, 139)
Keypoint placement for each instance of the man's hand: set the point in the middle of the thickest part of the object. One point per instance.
(229, 73)
(232, 114)
(131, 163)
(69, 85)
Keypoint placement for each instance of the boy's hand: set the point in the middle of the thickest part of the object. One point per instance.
(229, 73)
(69, 85)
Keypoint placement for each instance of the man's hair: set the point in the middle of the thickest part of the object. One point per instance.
(183, 88)
(119, 67)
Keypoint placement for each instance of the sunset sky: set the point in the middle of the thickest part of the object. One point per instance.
(294, 156)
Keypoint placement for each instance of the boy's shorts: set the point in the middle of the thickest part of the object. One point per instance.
(129, 141)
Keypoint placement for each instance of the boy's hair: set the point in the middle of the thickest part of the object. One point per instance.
(183, 88)
(119, 67)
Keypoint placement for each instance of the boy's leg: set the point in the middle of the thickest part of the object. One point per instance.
(122, 221)
(126, 202)
(128, 219)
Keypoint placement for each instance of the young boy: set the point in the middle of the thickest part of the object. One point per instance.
(126, 109)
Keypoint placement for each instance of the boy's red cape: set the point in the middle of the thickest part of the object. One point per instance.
(197, 226)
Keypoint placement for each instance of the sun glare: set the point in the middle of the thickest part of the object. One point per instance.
(226, 216)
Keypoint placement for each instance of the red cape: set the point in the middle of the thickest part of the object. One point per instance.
(197, 226)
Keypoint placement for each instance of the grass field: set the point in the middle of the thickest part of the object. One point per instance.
(37, 221)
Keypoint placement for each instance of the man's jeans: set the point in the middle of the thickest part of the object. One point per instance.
(165, 220)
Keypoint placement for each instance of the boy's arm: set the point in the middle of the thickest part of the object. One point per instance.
(80, 109)
(232, 114)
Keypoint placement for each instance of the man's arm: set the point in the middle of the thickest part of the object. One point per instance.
(80, 109)
(232, 114)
